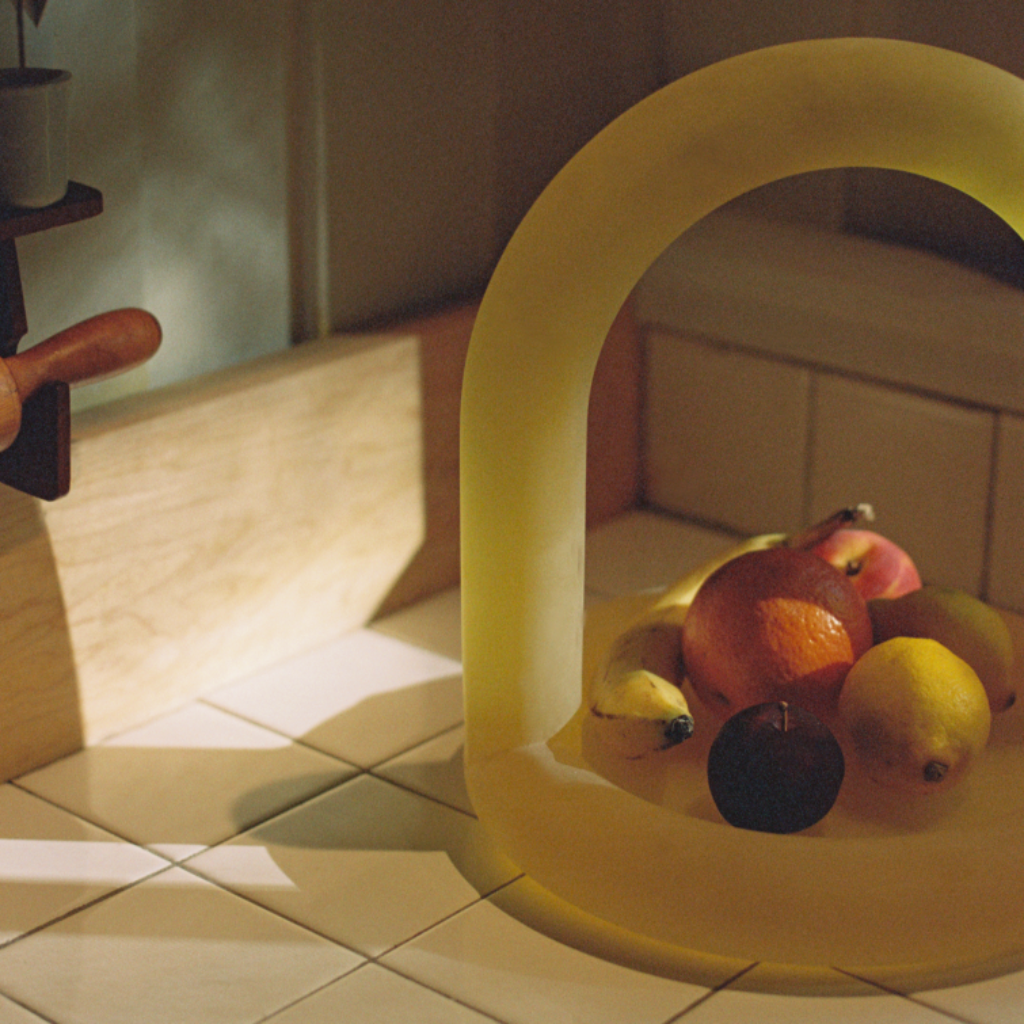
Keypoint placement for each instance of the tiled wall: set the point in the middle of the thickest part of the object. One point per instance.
(758, 444)
(758, 440)
(765, 413)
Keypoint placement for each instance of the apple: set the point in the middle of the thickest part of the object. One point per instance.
(775, 767)
(875, 565)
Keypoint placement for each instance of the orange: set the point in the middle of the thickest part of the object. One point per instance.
(772, 625)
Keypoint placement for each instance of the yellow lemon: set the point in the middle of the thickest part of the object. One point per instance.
(915, 715)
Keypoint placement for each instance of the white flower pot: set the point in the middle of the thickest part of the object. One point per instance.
(33, 136)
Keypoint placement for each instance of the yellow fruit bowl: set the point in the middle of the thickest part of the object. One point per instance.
(929, 892)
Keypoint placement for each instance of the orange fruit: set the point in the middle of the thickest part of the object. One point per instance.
(771, 625)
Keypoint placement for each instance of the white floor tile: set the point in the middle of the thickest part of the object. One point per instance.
(172, 949)
(435, 768)
(317, 866)
(365, 698)
(373, 995)
(489, 960)
(186, 781)
(368, 864)
(12, 1013)
(52, 862)
(996, 1001)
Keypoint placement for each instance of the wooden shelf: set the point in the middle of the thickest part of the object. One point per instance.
(80, 203)
(39, 462)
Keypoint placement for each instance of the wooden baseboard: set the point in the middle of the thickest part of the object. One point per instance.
(218, 526)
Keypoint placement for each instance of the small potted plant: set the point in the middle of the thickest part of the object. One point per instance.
(33, 126)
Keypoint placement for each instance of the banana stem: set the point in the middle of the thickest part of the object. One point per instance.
(814, 535)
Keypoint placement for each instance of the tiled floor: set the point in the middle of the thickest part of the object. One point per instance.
(299, 847)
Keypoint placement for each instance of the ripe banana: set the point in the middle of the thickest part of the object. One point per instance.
(635, 707)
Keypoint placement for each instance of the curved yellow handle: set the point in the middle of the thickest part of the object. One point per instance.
(645, 179)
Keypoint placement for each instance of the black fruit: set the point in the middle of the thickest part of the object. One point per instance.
(775, 768)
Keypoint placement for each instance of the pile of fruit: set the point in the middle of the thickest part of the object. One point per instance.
(807, 653)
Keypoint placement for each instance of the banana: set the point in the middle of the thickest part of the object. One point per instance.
(634, 709)
(634, 706)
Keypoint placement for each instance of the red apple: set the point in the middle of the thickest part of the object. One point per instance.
(876, 566)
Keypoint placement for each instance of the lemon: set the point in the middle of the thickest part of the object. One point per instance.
(915, 714)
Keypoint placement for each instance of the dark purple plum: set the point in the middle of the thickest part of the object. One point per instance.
(775, 767)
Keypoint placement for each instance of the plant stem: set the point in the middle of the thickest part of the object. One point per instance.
(21, 33)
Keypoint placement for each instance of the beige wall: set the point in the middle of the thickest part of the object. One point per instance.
(178, 117)
(443, 120)
(277, 169)
(886, 205)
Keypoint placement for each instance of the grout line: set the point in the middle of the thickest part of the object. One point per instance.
(939, 1010)
(425, 796)
(306, 745)
(30, 1009)
(809, 363)
(419, 743)
(990, 506)
(481, 898)
(810, 444)
(101, 898)
(695, 520)
(242, 830)
(440, 992)
(312, 992)
(76, 813)
(714, 991)
(276, 913)
(888, 990)
(206, 700)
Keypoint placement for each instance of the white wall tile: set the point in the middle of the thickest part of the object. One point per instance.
(852, 305)
(925, 466)
(1006, 551)
(725, 435)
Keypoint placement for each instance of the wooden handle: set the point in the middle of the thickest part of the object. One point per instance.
(99, 347)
